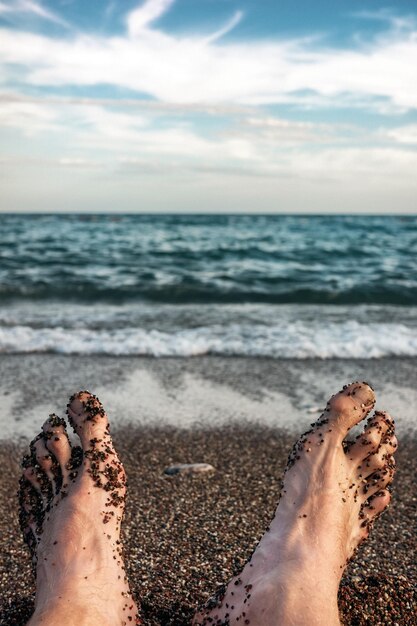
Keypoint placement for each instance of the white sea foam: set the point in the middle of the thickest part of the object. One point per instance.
(299, 339)
(142, 397)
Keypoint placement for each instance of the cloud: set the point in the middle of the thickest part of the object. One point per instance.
(110, 124)
(199, 117)
(95, 137)
(179, 141)
(145, 104)
(263, 145)
(201, 70)
(275, 129)
(387, 15)
(78, 162)
(139, 19)
(351, 164)
(103, 131)
(229, 26)
(32, 8)
(402, 134)
(29, 117)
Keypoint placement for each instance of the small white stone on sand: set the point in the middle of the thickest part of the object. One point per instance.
(188, 468)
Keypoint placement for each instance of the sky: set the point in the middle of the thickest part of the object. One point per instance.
(208, 106)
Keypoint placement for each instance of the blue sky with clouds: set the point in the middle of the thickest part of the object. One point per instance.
(208, 105)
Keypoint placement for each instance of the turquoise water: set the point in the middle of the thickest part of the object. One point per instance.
(182, 285)
(222, 259)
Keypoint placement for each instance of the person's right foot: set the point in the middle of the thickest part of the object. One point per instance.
(332, 494)
(72, 502)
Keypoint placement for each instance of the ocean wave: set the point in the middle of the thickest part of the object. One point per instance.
(209, 259)
(298, 340)
(263, 290)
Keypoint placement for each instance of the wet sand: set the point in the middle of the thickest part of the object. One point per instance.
(186, 534)
(199, 391)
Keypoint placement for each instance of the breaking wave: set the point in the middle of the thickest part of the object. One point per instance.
(298, 340)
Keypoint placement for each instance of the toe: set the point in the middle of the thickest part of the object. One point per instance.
(30, 538)
(379, 479)
(373, 507)
(58, 444)
(391, 444)
(31, 505)
(377, 460)
(44, 459)
(379, 429)
(348, 407)
(100, 460)
(30, 474)
(87, 417)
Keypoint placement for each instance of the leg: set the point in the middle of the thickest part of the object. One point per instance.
(332, 493)
(72, 502)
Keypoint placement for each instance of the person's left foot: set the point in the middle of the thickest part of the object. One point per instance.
(71, 506)
(332, 494)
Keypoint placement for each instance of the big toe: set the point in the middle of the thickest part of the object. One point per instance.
(349, 407)
(88, 417)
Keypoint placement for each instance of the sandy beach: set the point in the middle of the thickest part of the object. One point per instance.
(185, 535)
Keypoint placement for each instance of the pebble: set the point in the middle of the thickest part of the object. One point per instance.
(189, 468)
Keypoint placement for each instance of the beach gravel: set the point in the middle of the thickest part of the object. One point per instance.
(186, 534)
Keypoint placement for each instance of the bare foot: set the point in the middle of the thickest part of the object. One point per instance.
(332, 493)
(72, 502)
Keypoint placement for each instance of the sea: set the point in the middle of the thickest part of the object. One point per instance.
(288, 287)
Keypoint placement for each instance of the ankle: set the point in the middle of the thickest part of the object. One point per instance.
(299, 600)
(302, 607)
(297, 587)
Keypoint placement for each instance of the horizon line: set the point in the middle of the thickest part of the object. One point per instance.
(218, 213)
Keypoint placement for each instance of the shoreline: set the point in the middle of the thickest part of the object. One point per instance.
(198, 391)
(186, 534)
